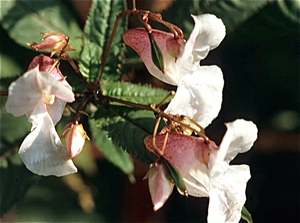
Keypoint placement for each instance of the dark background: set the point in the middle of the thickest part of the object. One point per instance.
(260, 63)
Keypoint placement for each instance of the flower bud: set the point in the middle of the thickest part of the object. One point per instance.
(53, 42)
(160, 184)
(75, 136)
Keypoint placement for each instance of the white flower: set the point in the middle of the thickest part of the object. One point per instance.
(206, 171)
(42, 98)
(198, 86)
(224, 184)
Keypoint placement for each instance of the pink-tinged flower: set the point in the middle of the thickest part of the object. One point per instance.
(45, 63)
(138, 39)
(75, 136)
(224, 184)
(205, 167)
(160, 184)
(198, 86)
(184, 152)
(42, 98)
(54, 43)
(35, 88)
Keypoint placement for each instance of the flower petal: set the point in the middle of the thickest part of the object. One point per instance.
(217, 208)
(45, 63)
(138, 39)
(36, 116)
(243, 135)
(23, 93)
(56, 110)
(182, 151)
(51, 86)
(207, 34)
(239, 138)
(199, 96)
(197, 181)
(43, 153)
(227, 195)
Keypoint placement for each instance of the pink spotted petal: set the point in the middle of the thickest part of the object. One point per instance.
(138, 39)
(182, 151)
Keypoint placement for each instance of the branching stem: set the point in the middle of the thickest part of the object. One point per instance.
(74, 66)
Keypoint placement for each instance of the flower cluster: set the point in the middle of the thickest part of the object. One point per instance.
(203, 165)
(42, 96)
(187, 158)
(199, 92)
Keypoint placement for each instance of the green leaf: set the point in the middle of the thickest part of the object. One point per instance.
(275, 21)
(124, 126)
(25, 20)
(111, 151)
(15, 180)
(98, 29)
(246, 215)
(176, 176)
(290, 9)
(143, 94)
(90, 63)
(9, 67)
(127, 128)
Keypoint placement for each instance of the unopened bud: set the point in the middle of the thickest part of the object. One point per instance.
(160, 184)
(75, 136)
(53, 42)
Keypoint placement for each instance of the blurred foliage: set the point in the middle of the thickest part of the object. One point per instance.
(17, 17)
(15, 181)
(259, 58)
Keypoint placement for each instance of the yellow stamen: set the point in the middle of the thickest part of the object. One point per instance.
(48, 99)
